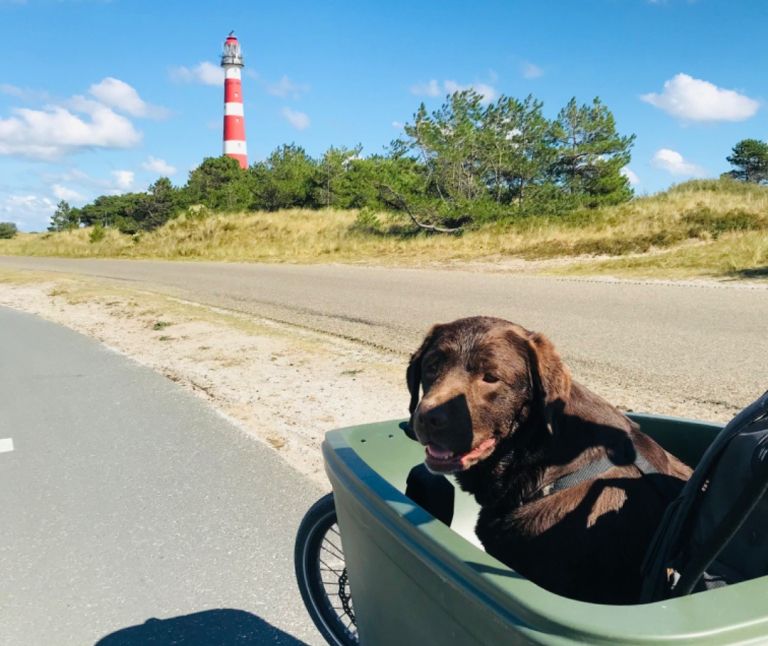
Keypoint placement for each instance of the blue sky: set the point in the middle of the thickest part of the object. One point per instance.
(102, 97)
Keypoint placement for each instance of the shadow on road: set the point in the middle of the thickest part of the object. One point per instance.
(224, 627)
(756, 272)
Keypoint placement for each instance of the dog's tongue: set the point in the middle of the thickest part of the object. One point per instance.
(437, 452)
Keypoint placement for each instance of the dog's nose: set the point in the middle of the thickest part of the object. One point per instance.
(435, 419)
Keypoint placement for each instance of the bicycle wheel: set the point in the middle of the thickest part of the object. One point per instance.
(322, 574)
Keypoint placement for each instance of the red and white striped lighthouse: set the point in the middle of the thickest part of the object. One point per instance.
(234, 118)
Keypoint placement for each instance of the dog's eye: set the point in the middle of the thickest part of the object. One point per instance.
(489, 378)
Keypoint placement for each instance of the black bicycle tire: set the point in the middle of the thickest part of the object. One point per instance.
(309, 537)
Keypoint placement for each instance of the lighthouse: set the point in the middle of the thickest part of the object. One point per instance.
(234, 118)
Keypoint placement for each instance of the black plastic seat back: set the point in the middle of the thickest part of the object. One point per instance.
(716, 532)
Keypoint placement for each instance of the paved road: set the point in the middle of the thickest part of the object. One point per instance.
(703, 345)
(125, 500)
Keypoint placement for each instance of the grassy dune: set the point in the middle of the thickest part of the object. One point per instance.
(700, 228)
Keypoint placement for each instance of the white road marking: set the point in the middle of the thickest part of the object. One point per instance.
(6, 445)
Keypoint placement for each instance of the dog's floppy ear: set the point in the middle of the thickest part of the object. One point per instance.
(413, 376)
(551, 379)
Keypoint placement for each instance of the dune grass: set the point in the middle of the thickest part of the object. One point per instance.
(699, 228)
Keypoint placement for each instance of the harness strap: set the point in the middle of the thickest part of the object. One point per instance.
(587, 472)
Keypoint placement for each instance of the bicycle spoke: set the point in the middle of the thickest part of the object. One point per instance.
(319, 557)
(335, 550)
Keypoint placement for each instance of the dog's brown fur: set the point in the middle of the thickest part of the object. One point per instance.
(500, 403)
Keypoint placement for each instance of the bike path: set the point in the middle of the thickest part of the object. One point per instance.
(131, 513)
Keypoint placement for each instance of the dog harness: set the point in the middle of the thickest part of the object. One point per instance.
(587, 472)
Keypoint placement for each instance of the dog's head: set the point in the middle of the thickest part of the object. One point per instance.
(481, 378)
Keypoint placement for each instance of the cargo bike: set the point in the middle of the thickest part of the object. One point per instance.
(403, 577)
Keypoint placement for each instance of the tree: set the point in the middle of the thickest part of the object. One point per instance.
(331, 176)
(591, 154)
(517, 147)
(219, 183)
(449, 143)
(370, 180)
(287, 179)
(8, 230)
(65, 218)
(122, 211)
(160, 205)
(750, 156)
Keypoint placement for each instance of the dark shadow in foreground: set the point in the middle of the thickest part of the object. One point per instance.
(223, 627)
(756, 272)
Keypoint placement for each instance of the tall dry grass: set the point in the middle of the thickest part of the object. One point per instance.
(709, 227)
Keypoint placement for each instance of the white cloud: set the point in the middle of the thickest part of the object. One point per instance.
(430, 88)
(398, 124)
(159, 166)
(530, 70)
(123, 97)
(28, 212)
(56, 130)
(286, 88)
(297, 119)
(487, 92)
(695, 100)
(631, 175)
(674, 163)
(78, 177)
(11, 90)
(123, 179)
(23, 93)
(63, 193)
(433, 89)
(74, 185)
(71, 175)
(205, 73)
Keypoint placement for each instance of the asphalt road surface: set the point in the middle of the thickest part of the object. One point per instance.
(702, 344)
(130, 513)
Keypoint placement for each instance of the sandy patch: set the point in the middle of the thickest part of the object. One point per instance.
(282, 385)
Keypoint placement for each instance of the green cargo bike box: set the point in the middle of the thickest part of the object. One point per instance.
(415, 580)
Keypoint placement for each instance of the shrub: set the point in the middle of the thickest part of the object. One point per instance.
(703, 220)
(367, 221)
(7, 230)
(97, 233)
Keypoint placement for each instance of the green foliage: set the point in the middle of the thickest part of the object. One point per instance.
(65, 218)
(469, 162)
(449, 143)
(332, 185)
(750, 157)
(220, 184)
(8, 230)
(98, 233)
(286, 179)
(518, 151)
(161, 204)
(479, 158)
(704, 222)
(591, 154)
(367, 221)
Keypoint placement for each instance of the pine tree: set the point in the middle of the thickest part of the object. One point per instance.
(750, 156)
(65, 218)
(591, 154)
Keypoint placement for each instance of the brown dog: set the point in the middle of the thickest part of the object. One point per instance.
(570, 490)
